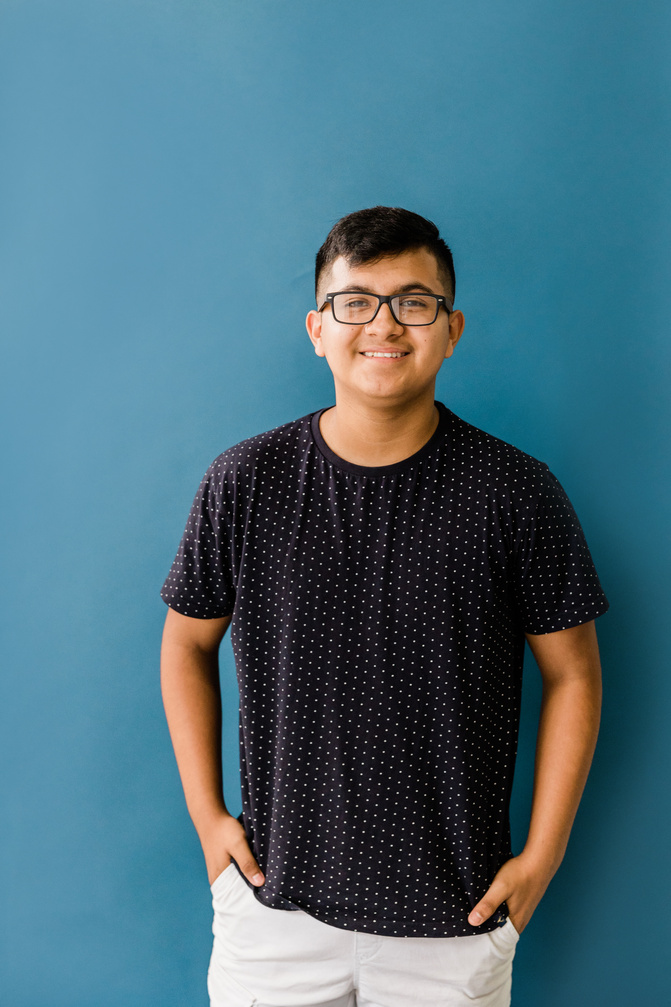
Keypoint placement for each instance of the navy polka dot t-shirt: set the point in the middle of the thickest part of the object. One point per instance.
(378, 631)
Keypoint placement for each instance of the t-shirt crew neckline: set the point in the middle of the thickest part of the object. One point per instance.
(380, 470)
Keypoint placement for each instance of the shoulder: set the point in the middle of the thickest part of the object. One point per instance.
(493, 457)
(273, 449)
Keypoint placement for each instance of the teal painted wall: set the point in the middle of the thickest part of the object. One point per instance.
(168, 171)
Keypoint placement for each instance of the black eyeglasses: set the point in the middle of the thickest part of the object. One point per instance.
(355, 307)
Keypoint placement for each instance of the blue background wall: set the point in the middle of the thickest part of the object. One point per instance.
(168, 172)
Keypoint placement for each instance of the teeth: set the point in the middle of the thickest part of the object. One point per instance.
(366, 354)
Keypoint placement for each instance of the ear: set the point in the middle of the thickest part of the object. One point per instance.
(313, 323)
(457, 323)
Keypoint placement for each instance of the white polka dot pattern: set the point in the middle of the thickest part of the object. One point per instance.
(378, 632)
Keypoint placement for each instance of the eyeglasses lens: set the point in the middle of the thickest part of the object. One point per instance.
(409, 309)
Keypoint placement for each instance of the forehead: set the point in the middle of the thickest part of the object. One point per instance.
(389, 274)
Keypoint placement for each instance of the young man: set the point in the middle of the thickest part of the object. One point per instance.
(382, 562)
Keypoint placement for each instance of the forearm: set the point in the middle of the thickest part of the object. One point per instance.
(567, 733)
(192, 701)
(569, 722)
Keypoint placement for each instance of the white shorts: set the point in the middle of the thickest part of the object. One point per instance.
(276, 958)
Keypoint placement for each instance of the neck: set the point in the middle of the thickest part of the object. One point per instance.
(372, 434)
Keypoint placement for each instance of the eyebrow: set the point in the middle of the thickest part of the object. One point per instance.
(399, 290)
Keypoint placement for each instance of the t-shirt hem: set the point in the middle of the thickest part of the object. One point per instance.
(385, 927)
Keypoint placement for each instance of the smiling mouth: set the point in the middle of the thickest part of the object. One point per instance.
(376, 353)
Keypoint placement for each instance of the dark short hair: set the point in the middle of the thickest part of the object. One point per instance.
(369, 235)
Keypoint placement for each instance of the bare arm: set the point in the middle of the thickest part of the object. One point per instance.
(192, 701)
(569, 723)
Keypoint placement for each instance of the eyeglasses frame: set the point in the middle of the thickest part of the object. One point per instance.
(387, 299)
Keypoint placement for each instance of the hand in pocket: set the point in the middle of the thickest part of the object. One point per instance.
(226, 841)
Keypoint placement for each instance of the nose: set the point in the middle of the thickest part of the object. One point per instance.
(384, 321)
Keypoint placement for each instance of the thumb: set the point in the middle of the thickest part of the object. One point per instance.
(244, 858)
(497, 893)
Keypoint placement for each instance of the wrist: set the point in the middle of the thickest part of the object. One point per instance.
(209, 820)
(543, 862)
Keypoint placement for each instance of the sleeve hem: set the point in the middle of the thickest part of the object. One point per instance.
(567, 619)
(193, 612)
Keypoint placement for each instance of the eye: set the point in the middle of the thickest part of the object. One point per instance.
(414, 301)
(357, 302)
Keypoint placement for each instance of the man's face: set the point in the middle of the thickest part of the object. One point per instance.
(395, 379)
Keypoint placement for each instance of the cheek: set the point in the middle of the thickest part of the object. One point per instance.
(342, 349)
(440, 346)
(337, 355)
(432, 349)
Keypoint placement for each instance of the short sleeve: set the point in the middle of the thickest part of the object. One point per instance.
(556, 583)
(201, 582)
